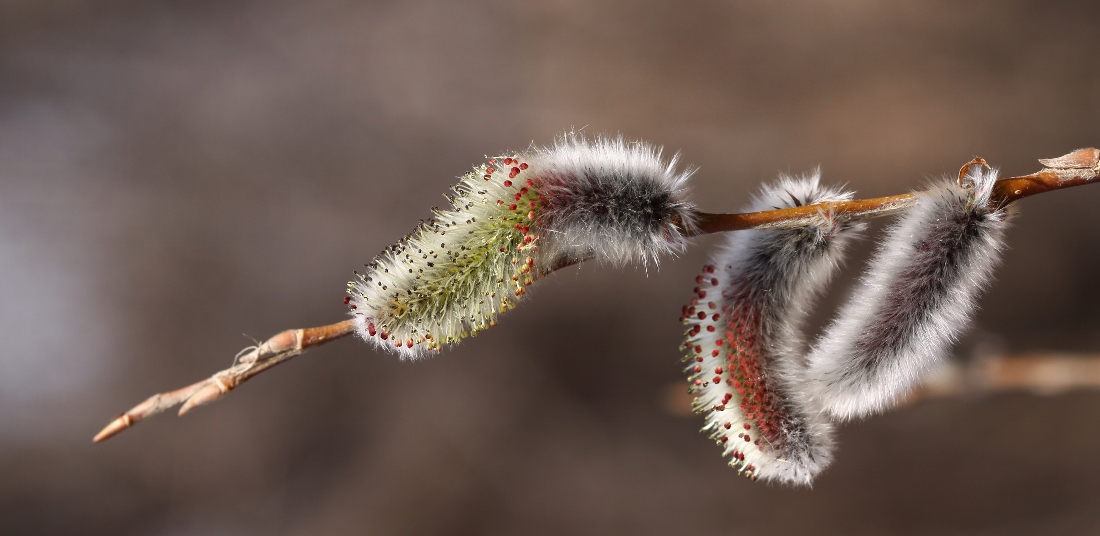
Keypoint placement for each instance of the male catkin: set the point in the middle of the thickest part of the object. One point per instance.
(744, 343)
(513, 220)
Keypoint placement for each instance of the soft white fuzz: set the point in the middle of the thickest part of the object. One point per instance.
(514, 219)
(744, 344)
(914, 300)
(610, 199)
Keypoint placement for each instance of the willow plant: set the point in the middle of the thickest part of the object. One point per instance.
(768, 396)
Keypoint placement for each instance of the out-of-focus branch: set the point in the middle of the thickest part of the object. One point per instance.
(1035, 374)
(1039, 374)
(1079, 167)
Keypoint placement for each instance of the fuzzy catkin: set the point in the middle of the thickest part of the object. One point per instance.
(513, 220)
(744, 344)
(915, 299)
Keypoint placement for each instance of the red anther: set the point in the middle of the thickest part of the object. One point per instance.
(352, 307)
(525, 229)
(748, 426)
(531, 215)
(532, 204)
(517, 196)
(347, 299)
(512, 174)
(698, 382)
(699, 359)
(698, 279)
(717, 379)
(717, 342)
(725, 438)
(718, 370)
(508, 161)
(490, 168)
(720, 407)
(524, 166)
(709, 269)
(698, 368)
(384, 335)
(493, 161)
(712, 305)
(714, 281)
(702, 315)
(487, 177)
(747, 439)
(397, 342)
(507, 183)
(512, 206)
(370, 329)
(716, 317)
(714, 353)
(530, 182)
(728, 425)
(523, 191)
(711, 329)
(408, 343)
(702, 294)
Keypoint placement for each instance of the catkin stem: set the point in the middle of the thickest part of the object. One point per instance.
(1074, 169)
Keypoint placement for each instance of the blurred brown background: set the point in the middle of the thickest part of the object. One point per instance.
(173, 174)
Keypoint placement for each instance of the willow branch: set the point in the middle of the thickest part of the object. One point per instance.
(1074, 169)
(1037, 374)
(250, 362)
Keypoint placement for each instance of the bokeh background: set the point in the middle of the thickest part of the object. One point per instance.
(174, 174)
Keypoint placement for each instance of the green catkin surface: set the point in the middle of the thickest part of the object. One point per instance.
(454, 274)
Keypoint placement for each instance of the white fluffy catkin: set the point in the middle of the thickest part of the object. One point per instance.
(744, 345)
(513, 220)
(914, 300)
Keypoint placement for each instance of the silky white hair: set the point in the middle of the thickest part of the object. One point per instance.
(611, 199)
(916, 297)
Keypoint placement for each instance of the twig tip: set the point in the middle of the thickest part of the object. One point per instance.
(116, 426)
